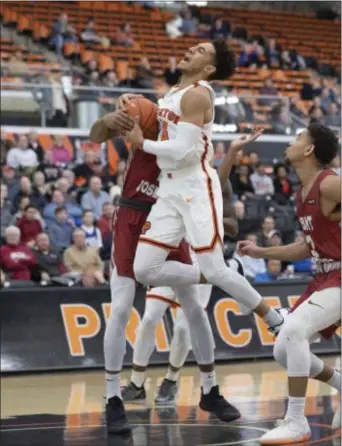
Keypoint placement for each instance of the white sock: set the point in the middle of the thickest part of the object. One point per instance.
(113, 385)
(273, 318)
(296, 408)
(208, 381)
(171, 375)
(138, 378)
(335, 380)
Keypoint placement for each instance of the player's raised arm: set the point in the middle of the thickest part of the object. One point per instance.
(238, 144)
(294, 251)
(196, 107)
(111, 125)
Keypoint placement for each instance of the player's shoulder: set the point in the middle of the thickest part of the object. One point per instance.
(328, 178)
(198, 97)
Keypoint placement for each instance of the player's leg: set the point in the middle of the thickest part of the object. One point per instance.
(317, 313)
(179, 350)
(157, 302)
(122, 294)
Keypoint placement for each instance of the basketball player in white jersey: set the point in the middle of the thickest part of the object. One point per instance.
(190, 198)
(159, 299)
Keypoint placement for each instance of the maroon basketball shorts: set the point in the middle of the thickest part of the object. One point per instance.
(128, 224)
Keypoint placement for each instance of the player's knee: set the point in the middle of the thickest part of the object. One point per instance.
(279, 352)
(293, 330)
(181, 331)
(149, 322)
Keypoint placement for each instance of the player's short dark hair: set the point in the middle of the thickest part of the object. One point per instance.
(60, 209)
(325, 142)
(224, 61)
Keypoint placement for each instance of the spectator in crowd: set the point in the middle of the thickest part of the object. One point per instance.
(333, 117)
(83, 172)
(250, 55)
(124, 35)
(89, 35)
(110, 80)
(253, 161)
(93, 80)
(83, 261)
(5, 210)
(246, 225)
(282, 123)
(49, 260)
(40, 185)
(317, 115)
(26, 190)
(22, 157)
(92, 233)
(272, 54)
(9, 177)
(105, 222)
(144, 77)
(30, 225)
(92, 67)
(275, 238)
(59, 154)
(62, 32)
(17, 65)
(295, 108)
(273, 272)
(326, 99)
(268, 89)
(173, 27)
(74, 212)
(316, 103)
(262, 183)
(60, 230)
(189, 24)
(69, 192)
(219, 30)
(23, 203)
(268, 226)
(205, 25)
(282, 185)
(219, 153)
(35, 146)
(304, 265)
(16, 258)
(243, 185)
(49, 169)
(253, 266)
(172, 73)
(55, 100)
(95, 197)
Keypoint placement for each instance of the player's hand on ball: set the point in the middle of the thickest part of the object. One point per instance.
(248, 248)
(120, 120)
(135, 137)
(240, 143)
(125, 99)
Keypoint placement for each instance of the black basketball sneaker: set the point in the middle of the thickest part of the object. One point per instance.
(133, 393)
(116, 417)
(215, 403)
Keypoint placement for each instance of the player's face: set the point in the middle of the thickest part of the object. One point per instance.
(299, 149)
(199, 58)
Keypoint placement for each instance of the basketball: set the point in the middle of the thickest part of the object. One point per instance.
(145, 112)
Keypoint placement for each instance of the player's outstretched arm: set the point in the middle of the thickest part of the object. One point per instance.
(294, 251)
(225, 167)
(195, 105)
(230, 223)
(111, 125)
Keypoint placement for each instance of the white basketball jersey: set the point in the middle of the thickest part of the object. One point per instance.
(169, 112)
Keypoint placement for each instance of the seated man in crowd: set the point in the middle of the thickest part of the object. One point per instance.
(74, 212)
(253, 267)
(95, 198)
(83, 261)
(16, 258)
(273, 272)
(60, 230)
(92, 233)
(49, 261)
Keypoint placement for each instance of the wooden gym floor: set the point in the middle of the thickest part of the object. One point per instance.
(67, 409)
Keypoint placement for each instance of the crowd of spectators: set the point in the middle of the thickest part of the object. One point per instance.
(56, 216)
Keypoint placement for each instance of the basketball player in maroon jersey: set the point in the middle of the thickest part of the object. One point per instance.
(138, 196)
(318, 311)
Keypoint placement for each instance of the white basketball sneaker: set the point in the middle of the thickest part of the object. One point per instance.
(336, 423)
(288, 431)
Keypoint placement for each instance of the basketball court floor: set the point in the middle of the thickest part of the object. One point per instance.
(67, 409)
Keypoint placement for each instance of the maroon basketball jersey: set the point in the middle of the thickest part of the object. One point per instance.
(322, 235)
(141, 177)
